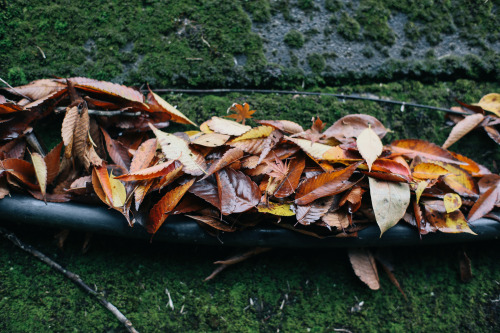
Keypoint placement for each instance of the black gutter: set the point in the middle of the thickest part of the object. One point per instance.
(181, 229)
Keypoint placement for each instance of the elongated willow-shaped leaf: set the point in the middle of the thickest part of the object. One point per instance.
(324, 185)
(103, 177)
(109, 88)
(156, 171)
(485, 203)
(162, 208)
(40, 171)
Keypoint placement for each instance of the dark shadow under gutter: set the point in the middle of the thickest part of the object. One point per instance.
(180, 229)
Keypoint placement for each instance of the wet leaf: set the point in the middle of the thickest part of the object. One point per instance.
(207, 191)
(389, 202)
(364, 266)
(324, 184)
(412, 148)
(462, 128)
(167, 203)
(369, 146)
(452, 202)
(175, 148)
(237, 192)
(242, 112)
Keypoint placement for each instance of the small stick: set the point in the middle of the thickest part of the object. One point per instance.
(11, 87)
(104, 113)
(236, 259)
(70, 275)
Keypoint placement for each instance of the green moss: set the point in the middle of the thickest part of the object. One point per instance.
(260, 10)
(348, 27)
(294, 39)
(373, 17)
(306, 4)
(333, 5)
(412, 32)
(16, 76)
(316, 61)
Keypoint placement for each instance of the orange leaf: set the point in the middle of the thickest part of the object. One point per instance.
(52, 160)
(485, 203)
(428, 171)
(105, 183)
(453, 222)
(156, 171)
(229, 157)
(459, 180)
(242, 112)
(324, 184)
(162, 208)
(411, 148)
(143, 155)
(291, 180)
(22, 170)
(117, 151)
(108, 88)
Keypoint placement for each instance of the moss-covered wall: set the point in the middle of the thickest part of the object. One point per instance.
(248, 43)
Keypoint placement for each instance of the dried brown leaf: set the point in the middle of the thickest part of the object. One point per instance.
(364, 266)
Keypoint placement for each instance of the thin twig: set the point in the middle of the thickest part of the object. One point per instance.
(294, 92)
(70, 275)
(104, 113)
(11, 87)
(236, 259)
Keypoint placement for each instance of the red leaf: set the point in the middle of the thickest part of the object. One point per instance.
(291, 180)
(101, 173)
(156, 171)
(237, 192)
(324, 184)
(117, 151)
(207, 191)
(52, 160)
(161, 210)
(22, 170)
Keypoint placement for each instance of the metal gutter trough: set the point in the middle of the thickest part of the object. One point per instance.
(181, 229)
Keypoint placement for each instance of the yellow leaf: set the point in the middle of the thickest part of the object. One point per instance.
(210, 139)
(463, 127)
(452, 202)
(422, 185)
(192, 133)
(40, 171)
(175, 148)
(491, 102)
(225, 126)
(118, 191)
(177, 116)
(255, 133)
(277, 209)
(204, 127)
(369, 146)
(315, 150)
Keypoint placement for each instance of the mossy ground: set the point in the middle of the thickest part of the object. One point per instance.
(318, 286)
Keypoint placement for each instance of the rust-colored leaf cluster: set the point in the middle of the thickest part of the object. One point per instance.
(230, 176)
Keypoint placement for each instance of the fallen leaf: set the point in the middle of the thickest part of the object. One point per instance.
(113, 89)
(38, 89)
(291, 180)
(255, 133)
(271, 141)
(156, 171)
(485, 203)
(462, 128)
(104, 183)
(207, 191)
(40, 171)
(337, 219)
(453, 222)
(242, 112)
(228, 127)
(52, 161)
(313, 211)
(364, 266)
(175, 148)
(491, 102)
(176, 115)
(213, 222)
(452, 202)
(251, 146)
(283, 125)
(167, 203)
(81, 139)
(284, 209)
(389, 202)
(237, 192)
(465, 267)
(352, 125)
(412, 148)
(118, 191)
(211, 140)
(493, 133)
(428, 171)
(459, 180)
(143, 155)
(315, 150)
(229, 157)
(117, 151)
(369, 146)
(324, 184)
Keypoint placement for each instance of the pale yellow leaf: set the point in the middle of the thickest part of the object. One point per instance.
(389, 202)
(463, 127)
(369, 146)
(315, 150)
(210, 139)
(204, 127)
(40, 171)
(177, 116)
(337, 219)
(255, 133)
(452, 202)
(422, 185)
(251, 146)
(491, 102)
(276, 209)
(118, 191)
(225, 126)
(364, 266)
(175, 148)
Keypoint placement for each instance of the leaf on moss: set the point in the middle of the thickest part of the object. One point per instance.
(462, 128)
(176, 115)
(364, 266)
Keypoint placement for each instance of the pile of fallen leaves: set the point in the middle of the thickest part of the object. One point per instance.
(230, 176)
